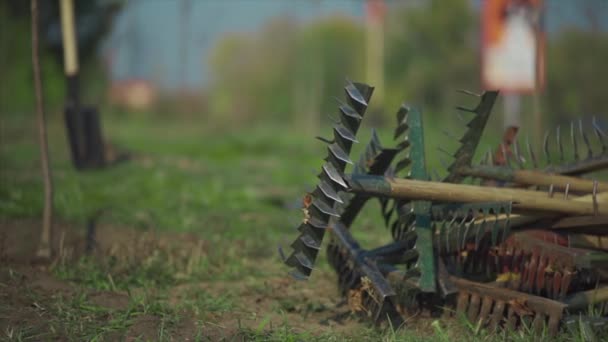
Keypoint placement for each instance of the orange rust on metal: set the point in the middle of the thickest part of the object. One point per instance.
(503, 152)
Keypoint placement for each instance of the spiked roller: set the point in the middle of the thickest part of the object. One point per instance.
(320, 205)
(526, 248)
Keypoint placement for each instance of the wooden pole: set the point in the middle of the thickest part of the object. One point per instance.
(68, 33)
(45, 249)
(374, 50)
(530, 177)
(516, 220)
(461, 193)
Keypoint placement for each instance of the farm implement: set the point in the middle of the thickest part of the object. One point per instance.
(519, 239)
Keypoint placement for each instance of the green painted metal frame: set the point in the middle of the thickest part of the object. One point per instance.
(422, 209)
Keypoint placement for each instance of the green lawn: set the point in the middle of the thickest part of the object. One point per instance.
(206, 208)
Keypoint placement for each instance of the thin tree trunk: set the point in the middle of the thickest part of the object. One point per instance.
(45, 246)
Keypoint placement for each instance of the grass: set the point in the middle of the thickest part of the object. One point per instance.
(237, 190)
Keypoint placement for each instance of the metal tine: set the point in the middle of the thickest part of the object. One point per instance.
(445, 233)
(506, 223)
(401, 128)
(339, 153)
(574, 142)
(443, 163)
(347, 110)
(531, 152)
(519, 159)
(440, 149)
(468, 92)
(486, 159)
(546, 147)
(473, 311)
(334, 175)
(495, 228)
(345, 133)
(463, 109)
(599, 134)
(460, 118)
(566, 191)
(325, 140)
(585, 139)
(333, 119)
(354, 93)
(282, 254)
(438, 233)
(449, 233)
(481, 227)
(297, 275)
(466, 231)
(559, 143)
(328, 191)
(450, 135)
(459, 235)
(402, 114)
(594, 194)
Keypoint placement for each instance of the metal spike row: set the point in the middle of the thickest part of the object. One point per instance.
(375, 160)
(467, 92)
(546, 147)
(531, 153)
(457, 225)
(574, 141)
(359, 278)
(577, 166)
(548, 264)
(488, 304)
(519, 159)
(585, 139)
(537, 262)
(402, 126)
(558, 136)
(320, 204)
(599, 134)
(355, 279)
(470, 140)
(388, 206)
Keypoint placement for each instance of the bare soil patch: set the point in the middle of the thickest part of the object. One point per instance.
(256, 304)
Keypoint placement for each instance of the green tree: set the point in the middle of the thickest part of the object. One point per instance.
(431, 52)
(285, 71)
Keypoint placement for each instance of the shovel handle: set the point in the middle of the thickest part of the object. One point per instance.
(68, 32)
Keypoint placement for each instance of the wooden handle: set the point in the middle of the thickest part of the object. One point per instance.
(531, 177)
(461, 193)
(68, 33)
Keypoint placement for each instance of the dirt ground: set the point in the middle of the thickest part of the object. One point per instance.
(30, 287)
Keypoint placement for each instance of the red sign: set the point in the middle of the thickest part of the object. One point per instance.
(375, 10)
(512, 50)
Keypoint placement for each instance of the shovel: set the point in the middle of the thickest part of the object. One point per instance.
(82, 122)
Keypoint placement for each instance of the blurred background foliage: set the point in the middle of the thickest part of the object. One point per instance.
(289, 70)
(94, 20)
(431, 51)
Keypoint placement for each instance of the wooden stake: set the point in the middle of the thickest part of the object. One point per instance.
(45, 249)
